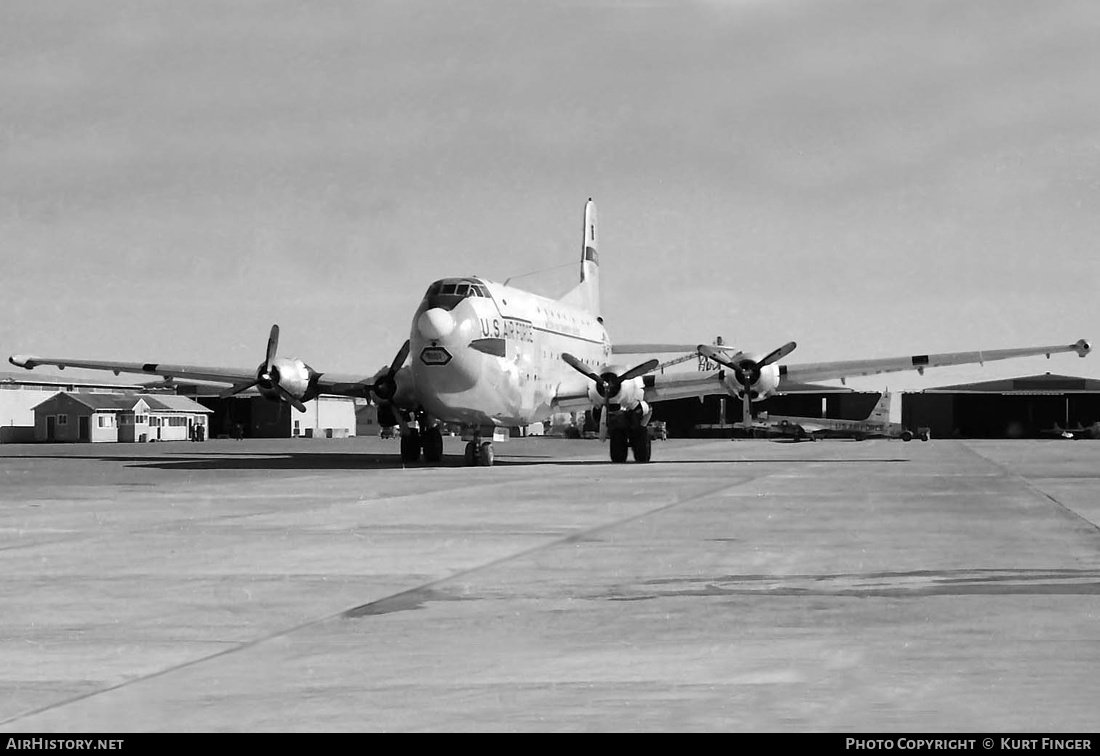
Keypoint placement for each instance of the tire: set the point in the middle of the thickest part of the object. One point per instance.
(620, 445)
(906, 435)
(471, 454)
(641, 444)
(433, 444)
(486, 457)
(410, 447)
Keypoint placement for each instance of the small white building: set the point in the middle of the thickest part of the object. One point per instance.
(20, 394)
(108, 418)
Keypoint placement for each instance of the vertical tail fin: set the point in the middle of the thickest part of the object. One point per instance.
(881, 412)
(587, 293)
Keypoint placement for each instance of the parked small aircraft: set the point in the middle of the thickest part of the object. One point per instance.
(876, 425)
(1080, 432)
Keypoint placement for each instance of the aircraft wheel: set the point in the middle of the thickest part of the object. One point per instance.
(487, 454)
(620, 444)
(433, 445)
(471, 454)
(641, 444)
(410, 447)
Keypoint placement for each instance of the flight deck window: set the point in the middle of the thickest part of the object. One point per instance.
(446, 295)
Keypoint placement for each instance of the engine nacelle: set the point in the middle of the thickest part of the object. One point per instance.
(294, 376)
(764, 386)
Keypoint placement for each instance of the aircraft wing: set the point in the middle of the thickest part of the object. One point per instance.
(327, 383)
(821, 371)
(807, 425)
(652, 348)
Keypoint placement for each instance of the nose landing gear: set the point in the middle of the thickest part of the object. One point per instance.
(479, 453)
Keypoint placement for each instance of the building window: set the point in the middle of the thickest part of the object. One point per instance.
(62, 419)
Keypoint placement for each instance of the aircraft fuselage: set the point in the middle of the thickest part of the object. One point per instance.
(486, 354)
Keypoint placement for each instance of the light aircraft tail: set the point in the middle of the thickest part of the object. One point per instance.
(881, 412)
(587, 293)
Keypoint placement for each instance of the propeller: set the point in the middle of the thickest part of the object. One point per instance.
(384, 389)
(608, 383)
(385, 385)
(747, 371)
(267, 376)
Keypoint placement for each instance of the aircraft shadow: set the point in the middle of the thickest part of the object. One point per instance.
(359, 461)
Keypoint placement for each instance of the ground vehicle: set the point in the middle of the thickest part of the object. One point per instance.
(658, 430)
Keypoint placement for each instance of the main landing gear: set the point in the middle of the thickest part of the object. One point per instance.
(627, 433)
(429, 441)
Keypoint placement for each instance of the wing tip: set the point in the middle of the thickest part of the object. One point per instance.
(25, 361)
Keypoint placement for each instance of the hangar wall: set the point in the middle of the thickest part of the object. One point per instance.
(1027, 407)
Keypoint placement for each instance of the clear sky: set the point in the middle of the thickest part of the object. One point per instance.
(866, 178)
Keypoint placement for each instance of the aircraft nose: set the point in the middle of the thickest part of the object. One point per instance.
(435, 324)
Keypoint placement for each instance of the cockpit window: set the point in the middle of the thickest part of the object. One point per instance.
(447, 294)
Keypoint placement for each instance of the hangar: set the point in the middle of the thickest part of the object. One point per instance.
(257, 417)
(1030, 407)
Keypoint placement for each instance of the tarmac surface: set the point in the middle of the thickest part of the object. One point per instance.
(727, 586)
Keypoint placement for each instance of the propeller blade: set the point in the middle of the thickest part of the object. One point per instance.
(289, 397)
(399, 360)
(603, 423)
(778, 354)
(385, 386)
(234, 390)
(272, 346)
(580, 367)
(746, 411)
(642, 369)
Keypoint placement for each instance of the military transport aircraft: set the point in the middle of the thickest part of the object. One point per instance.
(486, 355)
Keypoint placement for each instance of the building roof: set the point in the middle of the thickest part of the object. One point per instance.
(1032, 384)
(127, 402)
(173, 403)
(97, 402)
